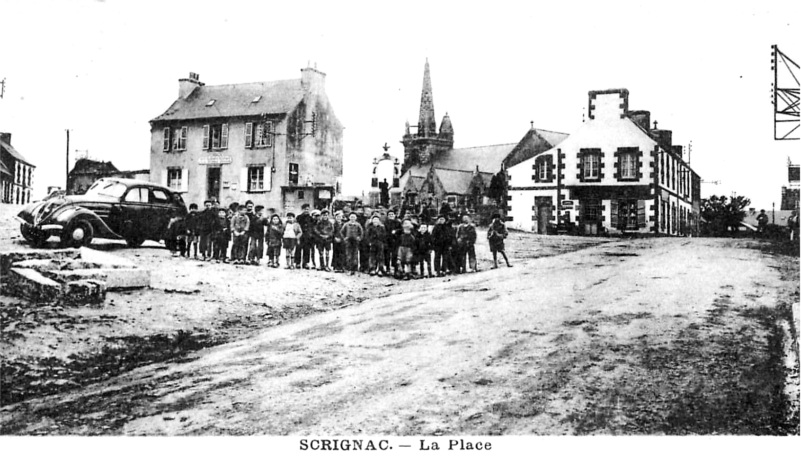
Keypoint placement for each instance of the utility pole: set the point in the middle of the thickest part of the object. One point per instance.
(2, 88)
(67, 177)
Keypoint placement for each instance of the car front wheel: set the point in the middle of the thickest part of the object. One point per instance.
(134, 242)
(77, 234)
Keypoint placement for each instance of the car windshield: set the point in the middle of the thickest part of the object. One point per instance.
(106, 189)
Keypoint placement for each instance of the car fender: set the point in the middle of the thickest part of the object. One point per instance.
(67, 215)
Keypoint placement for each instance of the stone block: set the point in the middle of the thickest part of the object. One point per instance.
(84, 292)
(30, 284)
(115, 279)
(104, 259)
(8, 258)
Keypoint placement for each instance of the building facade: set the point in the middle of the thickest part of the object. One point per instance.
(86, 171)
(276, 143)
(16, 174)
(429, 153)
(614, 175)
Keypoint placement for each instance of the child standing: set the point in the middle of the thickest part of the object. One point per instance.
(291, 235)
(191, 231)
(205, 221)
(425, 244)
(406, 244)
(176, 233)
(275, 232)
(256, 236)
(220, 235)
(376, 238)
(352, 233)
(466, 239)
(495, 235)
(441, 240)
(338, 254)
(323, 238)
(239, 228)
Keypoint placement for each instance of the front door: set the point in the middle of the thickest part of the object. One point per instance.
(213, 186)
(543, 218)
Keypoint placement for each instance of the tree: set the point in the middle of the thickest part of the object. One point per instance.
(497, 190)
(723, 215)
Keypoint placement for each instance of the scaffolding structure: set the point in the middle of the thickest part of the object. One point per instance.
(785, 96)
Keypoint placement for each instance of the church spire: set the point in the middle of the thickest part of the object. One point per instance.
(427, 125)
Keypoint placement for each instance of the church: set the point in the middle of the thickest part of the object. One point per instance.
(433, 168)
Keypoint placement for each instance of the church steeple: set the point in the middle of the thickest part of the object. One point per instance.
(427, 125)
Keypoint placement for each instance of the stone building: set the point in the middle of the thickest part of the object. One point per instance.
(466, 172)
(86, 171)
(276, 143)
(613, 175)
(16, 174)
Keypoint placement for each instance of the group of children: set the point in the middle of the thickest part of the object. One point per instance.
(375, 243)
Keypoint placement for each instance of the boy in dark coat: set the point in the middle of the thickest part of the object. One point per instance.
(352, 233)
(220, 235)
(338, 254)
(305, 249)
(258, 223)
(495, 235)
(275, 234)
(323, 238)
(466, 239)
(393, 230)
(192, 231)
(205, 221)
(425, 244)
(239, 229)
(376, 239)
(442, 241)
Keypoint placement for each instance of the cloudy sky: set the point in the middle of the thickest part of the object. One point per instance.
(104, 69)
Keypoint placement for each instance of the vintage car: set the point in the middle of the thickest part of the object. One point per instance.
(112, 208)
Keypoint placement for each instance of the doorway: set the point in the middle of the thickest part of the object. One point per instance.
(213, 185)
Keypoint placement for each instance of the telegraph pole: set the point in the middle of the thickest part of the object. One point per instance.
(67, 177)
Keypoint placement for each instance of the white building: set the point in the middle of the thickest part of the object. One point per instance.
(614, 175)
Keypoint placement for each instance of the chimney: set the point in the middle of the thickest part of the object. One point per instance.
(642, 118)
(608, 104)
(6, 138)
(664, 138)
(187, 85)
(312, 79)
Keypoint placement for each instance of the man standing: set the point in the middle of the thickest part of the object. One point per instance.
(762, 222)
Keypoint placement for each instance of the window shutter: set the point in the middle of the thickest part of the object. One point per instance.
(268, 178)
(185, 180)
(269, 128)
(549, 165)
(613, 211)
(206, 137)
(640, 213)
(166, 143)
(224, 141)
(243, 180)
(183, 138)
(164, 181)
(248, 135)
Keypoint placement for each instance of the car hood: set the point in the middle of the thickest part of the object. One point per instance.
(38, 211)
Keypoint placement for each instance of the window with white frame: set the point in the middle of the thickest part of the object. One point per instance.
(293, 173)
(628, 165)
(179, 139)
(175, 178)
(544, 167)
(591, 166)
(264, 133)
(255, 178)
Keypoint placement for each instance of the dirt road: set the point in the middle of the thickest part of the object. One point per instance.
(643, 336)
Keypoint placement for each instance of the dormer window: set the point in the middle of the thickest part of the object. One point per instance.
(211, 102)
(256, 99)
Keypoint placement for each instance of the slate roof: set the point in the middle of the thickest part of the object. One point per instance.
(534, 142)
(458, 181)
(13, 152)
(4, 170)
(277, 97)
(488, 158)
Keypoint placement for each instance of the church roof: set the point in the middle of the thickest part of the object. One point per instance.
(239, 99)
(458, 181)
(488, 158)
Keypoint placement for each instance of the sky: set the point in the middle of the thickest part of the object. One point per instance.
(103, 69)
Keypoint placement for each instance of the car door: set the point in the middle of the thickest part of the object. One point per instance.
(160, 211)
(134, 212)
